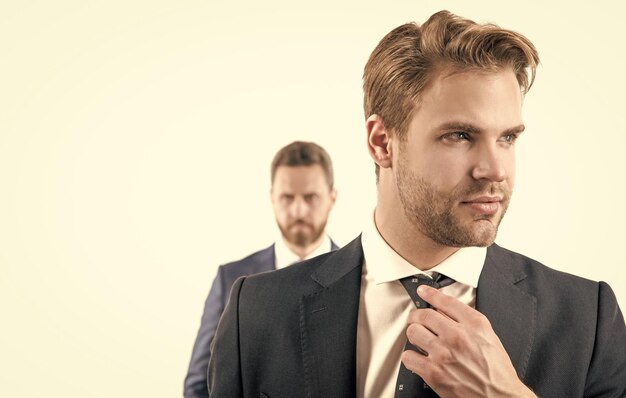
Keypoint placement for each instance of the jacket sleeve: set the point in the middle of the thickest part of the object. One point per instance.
(196, 379)
(224, 374)
(607, 371)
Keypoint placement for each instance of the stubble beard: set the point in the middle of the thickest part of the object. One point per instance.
(302, 238)
(432, 211)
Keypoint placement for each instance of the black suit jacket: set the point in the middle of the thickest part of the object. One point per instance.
(195, 385)
(565, 335)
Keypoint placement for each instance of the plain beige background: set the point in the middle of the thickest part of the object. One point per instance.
(135, 142)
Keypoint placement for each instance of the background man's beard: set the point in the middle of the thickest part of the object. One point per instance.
(302, 238)
(432, 211)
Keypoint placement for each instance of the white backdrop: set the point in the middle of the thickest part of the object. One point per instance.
(135, 142)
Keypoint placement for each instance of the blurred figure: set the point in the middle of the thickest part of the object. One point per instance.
(302, 195)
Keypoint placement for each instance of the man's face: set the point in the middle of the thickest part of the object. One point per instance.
(455, 170)
(302, 201)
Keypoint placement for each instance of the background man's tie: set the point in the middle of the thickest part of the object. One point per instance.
(409, 384)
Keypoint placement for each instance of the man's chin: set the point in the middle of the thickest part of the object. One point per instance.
(483, 242)
(298, 239)
(485, 234)
(481, 233)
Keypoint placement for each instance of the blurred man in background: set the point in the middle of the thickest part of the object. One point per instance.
(302, 195)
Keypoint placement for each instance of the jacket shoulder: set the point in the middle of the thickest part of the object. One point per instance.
(575, 317)
(541, 280)
(526, 266)
(260, 261)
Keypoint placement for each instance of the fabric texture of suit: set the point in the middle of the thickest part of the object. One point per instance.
(564, 334)
(195, 385)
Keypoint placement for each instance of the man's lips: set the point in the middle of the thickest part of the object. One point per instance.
(300, 225)
(484, 205)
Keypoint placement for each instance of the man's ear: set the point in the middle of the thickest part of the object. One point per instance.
(378, 141)
(333, 196)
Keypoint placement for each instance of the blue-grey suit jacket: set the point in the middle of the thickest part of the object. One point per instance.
(261, 261)
(565, 335)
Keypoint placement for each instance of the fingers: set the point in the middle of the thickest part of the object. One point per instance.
(430, 331)
(448, 316)
(425, 367)
(435, 322)
(447, 305)
(415, 362)
(423, 339)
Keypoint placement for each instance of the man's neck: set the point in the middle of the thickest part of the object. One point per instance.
(410, 243)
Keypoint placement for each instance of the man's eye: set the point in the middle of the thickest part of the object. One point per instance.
(509, 138)
(287, 198)
(458, 136)
(310, 197)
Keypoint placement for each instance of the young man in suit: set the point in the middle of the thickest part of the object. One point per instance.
(443, 111)
(302, 196)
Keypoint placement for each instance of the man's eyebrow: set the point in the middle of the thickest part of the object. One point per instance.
(470, 128)
(459, 126)
(515, 130)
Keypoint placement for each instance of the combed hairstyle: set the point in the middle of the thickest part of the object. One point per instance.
(410, 56)
(300, 153)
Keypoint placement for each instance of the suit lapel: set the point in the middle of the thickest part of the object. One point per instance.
(328, 325)
(512, 311)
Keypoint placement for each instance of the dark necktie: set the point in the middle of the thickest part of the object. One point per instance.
(409, 384)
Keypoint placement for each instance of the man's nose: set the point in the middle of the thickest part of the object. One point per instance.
(491, 163)
(299, 208)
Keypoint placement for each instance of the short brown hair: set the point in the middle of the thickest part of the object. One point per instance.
(408, 57)
(300, 153)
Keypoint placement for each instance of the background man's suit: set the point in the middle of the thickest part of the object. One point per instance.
(565, 335)
(261, 261)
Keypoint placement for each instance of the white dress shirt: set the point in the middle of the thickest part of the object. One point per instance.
(284, 256)
(385, 306)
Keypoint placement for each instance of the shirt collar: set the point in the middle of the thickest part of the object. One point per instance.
(285, 257)
(385, 265)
